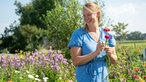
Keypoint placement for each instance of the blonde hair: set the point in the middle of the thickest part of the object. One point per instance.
(92, 7)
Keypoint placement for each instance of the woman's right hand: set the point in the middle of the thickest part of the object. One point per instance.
(99, 47)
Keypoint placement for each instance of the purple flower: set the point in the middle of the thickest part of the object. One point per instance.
(56, 67)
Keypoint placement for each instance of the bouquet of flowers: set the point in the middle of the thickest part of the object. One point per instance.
(107, 37)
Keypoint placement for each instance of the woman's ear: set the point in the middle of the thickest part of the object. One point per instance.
(98, 14)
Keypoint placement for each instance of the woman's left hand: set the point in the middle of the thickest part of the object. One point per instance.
(109, 50)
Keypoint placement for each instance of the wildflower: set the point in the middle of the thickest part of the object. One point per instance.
(144, 77)
(141, 80)
(144, 65)
(27, 71)
(60, 78)
(36, 79)
(123, 79)
(9, 81)
(135, 76)
(124, 61)
(70, 81)
(74, 74)
(123, 53)
(52, 55)
(106, 29)
(36, 76)
(31, 76)
(56, 66)
(107, 36)
(137, 69)
(45, 79)
(20, 77)
(16, 71)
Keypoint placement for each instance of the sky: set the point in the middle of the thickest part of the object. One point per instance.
(131, 12)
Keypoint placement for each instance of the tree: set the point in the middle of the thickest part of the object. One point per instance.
(33, 11)
(61, 22)
(26, 37)
(136, 35)
(119, 30)
(144, 36)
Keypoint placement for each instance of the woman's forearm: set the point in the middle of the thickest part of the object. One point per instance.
(113, 58)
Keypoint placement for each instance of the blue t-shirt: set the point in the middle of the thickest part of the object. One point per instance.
(95, 70)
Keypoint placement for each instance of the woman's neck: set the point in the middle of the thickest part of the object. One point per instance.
(93, 28)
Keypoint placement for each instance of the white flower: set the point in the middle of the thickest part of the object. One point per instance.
(16, 71)
(45, 79)
(37, 79)
(31, 76)
(60, 77)
(36, 76)
(20, 77)
(27, 71)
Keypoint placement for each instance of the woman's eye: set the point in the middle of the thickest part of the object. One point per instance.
(87, 15)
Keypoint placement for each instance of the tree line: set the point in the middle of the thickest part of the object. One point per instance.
(54, 19)
(122, 34)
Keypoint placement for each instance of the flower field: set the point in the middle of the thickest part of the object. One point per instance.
(52, 66)
(130, 66)
(36, 67)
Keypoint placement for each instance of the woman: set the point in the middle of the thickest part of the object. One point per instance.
(88, 49)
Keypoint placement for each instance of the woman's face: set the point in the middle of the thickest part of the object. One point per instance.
(89, 17)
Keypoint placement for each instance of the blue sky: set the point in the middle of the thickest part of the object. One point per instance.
(131, 12)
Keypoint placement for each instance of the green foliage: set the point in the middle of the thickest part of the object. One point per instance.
(43, 5)
(32, 12)
(61, 22)
(136, 35)
(119, 30)
(132, 43)
(26, 37)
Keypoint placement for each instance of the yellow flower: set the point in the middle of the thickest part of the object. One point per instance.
(123, 53)
(16, 51)
(124, 61)
(141, 80)
(21, 56)
(52, 55)
(9, 81)
(21, 51)
(144, 65)
(138, 50)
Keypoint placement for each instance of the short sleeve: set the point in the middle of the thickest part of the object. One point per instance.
(75, 40)
(112, 41)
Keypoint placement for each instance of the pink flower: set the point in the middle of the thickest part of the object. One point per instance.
(144, 77)
(70, 81)
(107, 36)
(123, 79)
(135, 76)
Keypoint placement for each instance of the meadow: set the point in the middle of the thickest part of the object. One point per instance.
(51, 65)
